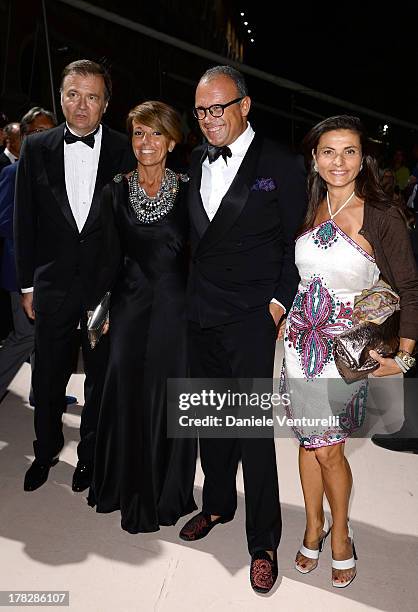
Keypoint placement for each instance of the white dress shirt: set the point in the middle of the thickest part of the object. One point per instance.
(80, 166)
(10, 155)
(218, 176)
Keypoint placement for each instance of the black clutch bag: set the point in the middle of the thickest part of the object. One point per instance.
(375, 327)
(96, 320)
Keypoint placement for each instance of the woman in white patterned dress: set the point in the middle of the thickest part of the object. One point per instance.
(346, 242)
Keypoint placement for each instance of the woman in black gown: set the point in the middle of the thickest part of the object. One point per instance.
(138, 470)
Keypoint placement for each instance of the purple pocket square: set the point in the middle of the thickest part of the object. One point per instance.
(264, 184)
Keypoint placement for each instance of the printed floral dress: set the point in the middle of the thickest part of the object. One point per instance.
(333, 270)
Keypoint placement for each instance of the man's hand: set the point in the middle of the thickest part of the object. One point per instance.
(276, 312)
(282, 328)
(27, 304)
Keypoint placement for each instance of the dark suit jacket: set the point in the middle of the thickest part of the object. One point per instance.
(7, 194)
(50, 250)
(4, 161)
(245, 256)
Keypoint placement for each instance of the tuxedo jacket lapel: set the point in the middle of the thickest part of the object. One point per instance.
(54, 166)
(198, 214)
(234, 200)
(103, 171)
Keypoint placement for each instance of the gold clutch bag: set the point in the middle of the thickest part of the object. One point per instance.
(375, 326)
(96, 320)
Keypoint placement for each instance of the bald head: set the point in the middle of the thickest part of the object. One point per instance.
(219, 89)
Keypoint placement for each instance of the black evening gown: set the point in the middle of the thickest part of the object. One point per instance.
(138, 470)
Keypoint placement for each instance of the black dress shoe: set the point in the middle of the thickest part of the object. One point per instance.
(37, 474)
(263, 571)
(396, 442)
(69, 399)
(82, 477)
(199, 526)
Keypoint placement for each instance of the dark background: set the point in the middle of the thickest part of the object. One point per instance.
(362, 52)
(354, 51)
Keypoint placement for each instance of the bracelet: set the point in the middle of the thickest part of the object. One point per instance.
(401, 364)
(407, 360)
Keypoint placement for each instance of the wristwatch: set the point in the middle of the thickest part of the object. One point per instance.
(407, 360)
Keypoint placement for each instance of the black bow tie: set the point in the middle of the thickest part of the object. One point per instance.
(215, 152)
(70, 138)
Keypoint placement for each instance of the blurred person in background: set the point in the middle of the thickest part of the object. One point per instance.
(400, 170)
(3, 122)
(12, 141)
(18, 347)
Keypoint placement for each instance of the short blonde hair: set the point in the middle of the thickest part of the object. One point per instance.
(159, 116)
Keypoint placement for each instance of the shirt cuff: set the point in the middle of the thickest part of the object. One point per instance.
(274, 301)
(27, 290)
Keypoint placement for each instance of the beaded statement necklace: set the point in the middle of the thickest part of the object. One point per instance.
(147, 209)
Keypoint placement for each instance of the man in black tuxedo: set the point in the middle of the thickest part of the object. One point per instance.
(246, 201)
(61, 266)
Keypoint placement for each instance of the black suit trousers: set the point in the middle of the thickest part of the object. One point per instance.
(243, 349)
(54, 358)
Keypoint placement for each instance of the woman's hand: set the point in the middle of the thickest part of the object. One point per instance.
(387, 367)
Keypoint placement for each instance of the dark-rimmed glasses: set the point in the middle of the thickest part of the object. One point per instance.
(216, 110)
(37, 130)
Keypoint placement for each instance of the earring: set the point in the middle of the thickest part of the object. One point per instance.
(315, 167)
(361, 167)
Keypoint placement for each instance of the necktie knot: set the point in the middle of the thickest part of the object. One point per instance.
(215, 152)
(70, 138)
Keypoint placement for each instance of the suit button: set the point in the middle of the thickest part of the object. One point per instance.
(229, 269)
(239, 243)
(81, 241)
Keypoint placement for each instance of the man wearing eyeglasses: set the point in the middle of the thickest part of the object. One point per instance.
(246, 201)
(19, 344)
